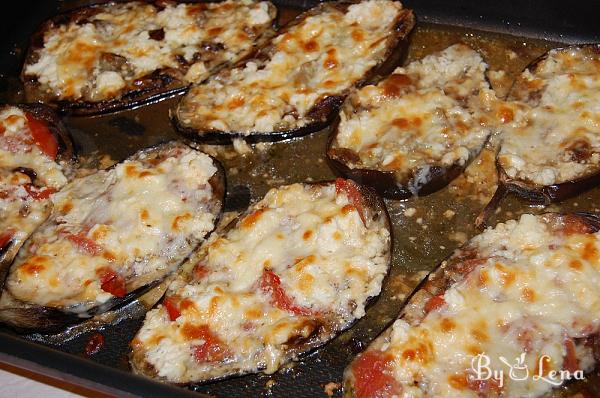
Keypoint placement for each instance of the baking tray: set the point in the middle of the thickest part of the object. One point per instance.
(508, 34)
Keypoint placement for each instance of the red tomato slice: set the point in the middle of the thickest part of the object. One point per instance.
(112, 283)
(212, 350)
(172, 308)
(350, 188)
(370, 377)
(200, 271)
(570, 362)
(271, 284)
(85, 244)
(44, 193)
(5, 238)
(42, 136)
(434, 303)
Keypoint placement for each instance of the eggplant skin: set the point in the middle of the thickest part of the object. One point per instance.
(27, 317)
(528, 190)
(65, 156)
(454, 269)
(322, 112)
(385, 182)
(152, 87)
(322, 329)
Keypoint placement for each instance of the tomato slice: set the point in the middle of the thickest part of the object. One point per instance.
(350, 188)
(5, 238)
(112, 283)
(570, 362)
(84, 243)
(434, 303)
(200, 271)
(271, 284)
(44, 193)
(371, 379)
(212, 349)
(172, 308)
(42, 136)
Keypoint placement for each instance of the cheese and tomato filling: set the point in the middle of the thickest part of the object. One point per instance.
(322, 55)
(29, 173)
(528, 295)
(105, 54)
(553, 133)
(300, 265)
(430, 113)
(116, 230)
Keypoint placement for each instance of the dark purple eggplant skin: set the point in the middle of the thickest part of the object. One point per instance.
(153, 87)
(375, 211)
(65, 155)
(385, 182)
(532, 193)
(323, 113)
(25, 318)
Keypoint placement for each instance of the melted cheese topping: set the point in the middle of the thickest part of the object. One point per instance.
(20, 212)
(429, 113)
(553, 136)
(323, 55)
(138, 220)
(103, 56)
(328, 264)
(533, 290)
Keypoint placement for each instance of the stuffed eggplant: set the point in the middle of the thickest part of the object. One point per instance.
(111, 234)
(288, 275)
(119, 54)
(35, 161)
(295, 84)
(418, 129)
(519, 299)
(550, 146)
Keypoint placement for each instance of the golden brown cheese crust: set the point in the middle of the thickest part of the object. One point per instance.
(522, 290)
(32, 168)
(294, 270)
(107, 56)
(295, 83)
(418, 128)
(557, 103)
(115, 231)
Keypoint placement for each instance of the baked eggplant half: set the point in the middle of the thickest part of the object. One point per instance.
(120, 54)
(285, 277)
(35, 160)
(295, 84)
(518, 298)
(111, 234)
(418, 129)
(550, 146)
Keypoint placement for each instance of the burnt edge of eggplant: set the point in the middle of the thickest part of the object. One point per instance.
(46, 319)
(65, 155)
(324, 332)
(541, 195)
(385, 182)
(448, 272)
(324, 111)
(155, 86)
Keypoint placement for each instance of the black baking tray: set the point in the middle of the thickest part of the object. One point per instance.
(107, 371)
